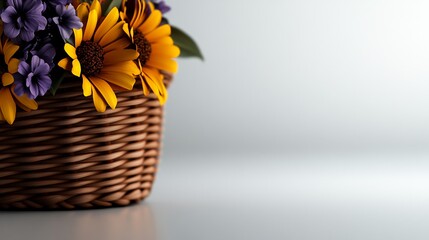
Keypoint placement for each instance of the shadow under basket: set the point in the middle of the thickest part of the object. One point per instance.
(66, 155)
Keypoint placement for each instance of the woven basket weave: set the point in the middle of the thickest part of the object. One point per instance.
(67, 156)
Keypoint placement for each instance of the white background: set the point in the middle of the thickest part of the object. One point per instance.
(302, 75)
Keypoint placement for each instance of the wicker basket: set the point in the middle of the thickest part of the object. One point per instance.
(67, 156)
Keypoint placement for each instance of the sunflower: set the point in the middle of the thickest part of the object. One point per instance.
(100, 56)
(154, 44)
(9, 66)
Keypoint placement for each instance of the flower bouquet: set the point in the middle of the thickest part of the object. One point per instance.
(81, 95)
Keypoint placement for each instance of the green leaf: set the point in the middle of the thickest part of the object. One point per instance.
(113, 3)
(188, 47)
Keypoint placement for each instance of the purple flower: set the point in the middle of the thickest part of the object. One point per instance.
(66, 20)
(161, 6)
(44, 51)
(22, 18)
(42, 46)
(32, 79)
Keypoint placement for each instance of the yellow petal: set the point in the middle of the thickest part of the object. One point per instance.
(76, 69)
(77, 37)
(99, 103)
(90, 25)
(162, 31)
(167, 51)
(83, 12)
(117, 88)
(65, 64)
(139, 19)
(146, 91)
(9, 50)
(120, 79)
(155, 83)
(7, 79)
(152, 72)
(127, 67)
(138, 15)
(124, 7)
(107, 24)
(151, 23)
(162, 93)
(70, 50)
(151, 6)
(168, 65)
(117, 45)
(112, 35)
(97, 7)
(13, 64)
(126, 29)
(106, 91)
(117, 56)
(122, 15)
(25, 103)
(162, 98)
(151, 77)
(7, 105)
(86, 86)
(165, 40)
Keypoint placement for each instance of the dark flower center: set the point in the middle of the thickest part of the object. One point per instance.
(91, 58)
(143, 47)
(19, 22)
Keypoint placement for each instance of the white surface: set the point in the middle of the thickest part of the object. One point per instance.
(297, 197)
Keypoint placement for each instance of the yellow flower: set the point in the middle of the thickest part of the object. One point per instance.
(9, 66)
(154, 44)
(100, 56)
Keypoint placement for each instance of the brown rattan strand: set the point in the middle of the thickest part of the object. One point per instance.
(67, 156)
